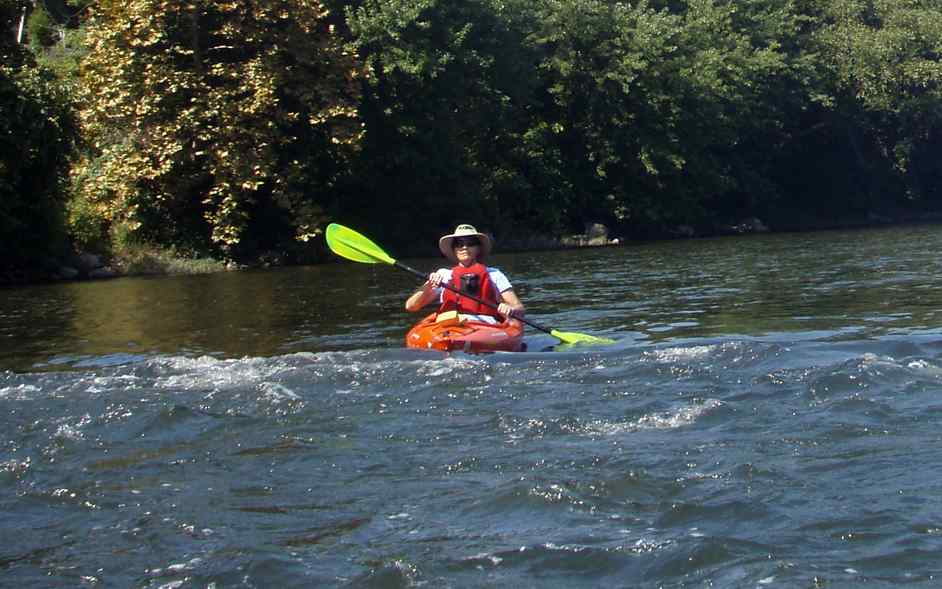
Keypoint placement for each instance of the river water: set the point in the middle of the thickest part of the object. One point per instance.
(771, 415)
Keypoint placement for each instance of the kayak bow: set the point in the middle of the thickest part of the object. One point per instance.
(448, 332)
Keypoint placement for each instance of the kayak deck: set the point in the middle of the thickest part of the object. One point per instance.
(448, 332)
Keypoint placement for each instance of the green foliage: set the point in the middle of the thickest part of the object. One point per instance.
(446, 113)
(37, 132)
(652, 106)
(885, 58)
(42, 30)
(141, 259)
(548, 115)
(64, 58)
(211, 123)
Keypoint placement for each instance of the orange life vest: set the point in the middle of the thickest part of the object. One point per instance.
(473, 280)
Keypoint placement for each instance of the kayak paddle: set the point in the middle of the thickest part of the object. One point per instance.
(349, 244)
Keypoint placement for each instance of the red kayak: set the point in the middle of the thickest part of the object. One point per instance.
(452, 332)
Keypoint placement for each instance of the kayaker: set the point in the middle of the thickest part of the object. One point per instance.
(467, 248)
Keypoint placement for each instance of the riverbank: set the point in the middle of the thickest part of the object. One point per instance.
(89, 266)
(144, 261)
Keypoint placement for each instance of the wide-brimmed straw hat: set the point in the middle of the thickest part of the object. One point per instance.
(464, 230)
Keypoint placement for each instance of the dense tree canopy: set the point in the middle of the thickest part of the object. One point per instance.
(37, 133)
(217, 122)
(239, 128)
(884, 57)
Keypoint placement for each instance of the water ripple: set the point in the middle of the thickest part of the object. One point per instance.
(765, 418)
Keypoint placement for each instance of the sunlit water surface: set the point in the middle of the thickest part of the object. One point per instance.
(771, 415)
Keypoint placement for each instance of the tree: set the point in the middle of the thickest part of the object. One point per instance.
(37, 134)
(214, 125)
(456, 118)
(885, 61)
(653, 105)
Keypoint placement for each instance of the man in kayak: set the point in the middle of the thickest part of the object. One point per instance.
(467, 248)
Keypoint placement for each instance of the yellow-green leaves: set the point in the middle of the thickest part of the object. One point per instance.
(205, 117)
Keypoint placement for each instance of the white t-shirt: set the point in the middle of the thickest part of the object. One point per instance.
(498, 279)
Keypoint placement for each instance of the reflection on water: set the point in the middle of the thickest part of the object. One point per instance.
(227, 314)
(870, 282)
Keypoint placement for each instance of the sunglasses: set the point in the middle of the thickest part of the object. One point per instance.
(465, 242)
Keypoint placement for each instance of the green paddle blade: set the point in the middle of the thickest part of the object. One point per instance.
(569, 337)
(347, 243)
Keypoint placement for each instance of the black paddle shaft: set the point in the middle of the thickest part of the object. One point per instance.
(472, 297)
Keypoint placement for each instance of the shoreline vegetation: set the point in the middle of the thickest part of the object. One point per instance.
(179, 137)
(153, 262)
